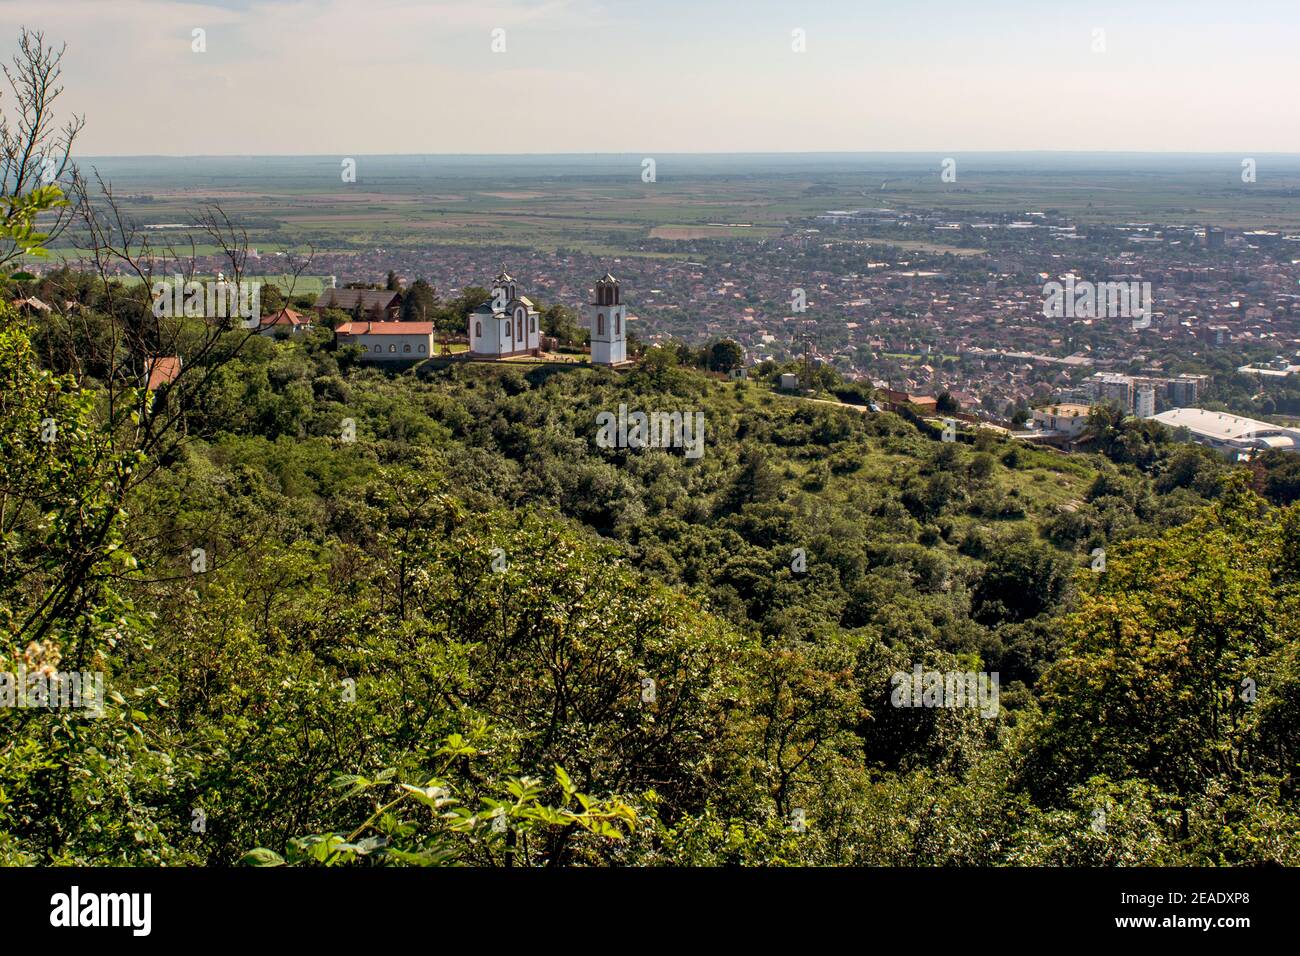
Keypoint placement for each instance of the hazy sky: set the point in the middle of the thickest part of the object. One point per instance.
(352, 77)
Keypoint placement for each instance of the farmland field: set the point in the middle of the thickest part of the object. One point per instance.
(300, 285)
(599, 203)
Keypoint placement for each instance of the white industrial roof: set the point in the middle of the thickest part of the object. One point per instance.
(1282, 442)
(1219, 426)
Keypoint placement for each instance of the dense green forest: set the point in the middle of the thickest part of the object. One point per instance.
(358, 616)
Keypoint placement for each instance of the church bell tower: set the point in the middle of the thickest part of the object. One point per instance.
(608, 323)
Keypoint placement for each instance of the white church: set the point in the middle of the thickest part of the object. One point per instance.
(507, 324)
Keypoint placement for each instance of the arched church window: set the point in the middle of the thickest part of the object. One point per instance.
(600, 323)
(406, 348)
(618, 323)
(532, 323)
(478, 330)
(392, 348)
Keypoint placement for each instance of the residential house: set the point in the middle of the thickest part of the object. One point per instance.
(287, 321)
(377, 305)
(1067, 419)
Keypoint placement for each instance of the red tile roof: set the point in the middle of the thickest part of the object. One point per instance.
(285, 317)
(385, 328)
(162, 370)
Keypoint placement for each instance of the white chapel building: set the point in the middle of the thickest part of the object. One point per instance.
(505, 325)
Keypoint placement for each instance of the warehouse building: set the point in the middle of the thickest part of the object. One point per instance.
(1230, 435)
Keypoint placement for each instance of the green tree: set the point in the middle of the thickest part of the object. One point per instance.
(419, 302)
(1156, 678)
(725, 355)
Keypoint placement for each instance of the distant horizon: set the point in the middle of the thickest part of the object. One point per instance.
(915, 166)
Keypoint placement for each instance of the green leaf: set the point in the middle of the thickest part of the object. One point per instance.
(261, 857)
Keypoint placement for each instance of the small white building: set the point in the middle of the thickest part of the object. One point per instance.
(388, 341)
(789, 381)
(505, 325)
(1067, 419)
(608, 323)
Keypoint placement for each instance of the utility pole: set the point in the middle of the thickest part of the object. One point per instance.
(803, 335)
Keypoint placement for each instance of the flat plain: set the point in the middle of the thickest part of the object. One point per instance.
(603, 205)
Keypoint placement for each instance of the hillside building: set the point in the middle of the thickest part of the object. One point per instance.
(608, 322)
(505, 325)
(1067, 419)
(388, 341)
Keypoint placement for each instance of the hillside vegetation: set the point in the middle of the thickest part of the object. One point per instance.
(355, 616)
